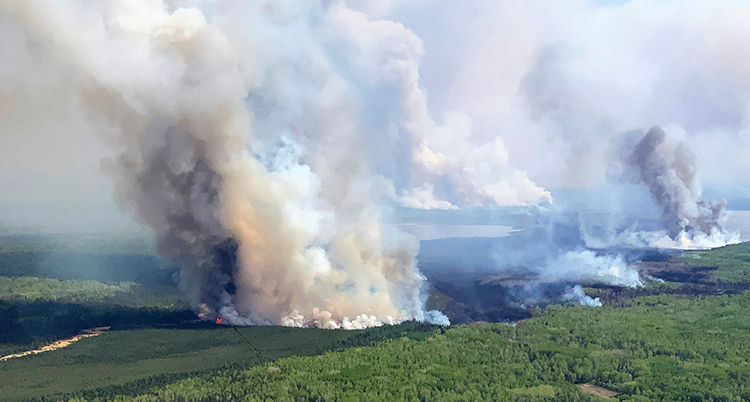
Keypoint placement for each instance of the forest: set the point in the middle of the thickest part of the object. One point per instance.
(657, 348)
(681, 341)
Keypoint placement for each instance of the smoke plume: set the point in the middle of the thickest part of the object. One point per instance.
(668, 170)
(265, 143)
(246, 144)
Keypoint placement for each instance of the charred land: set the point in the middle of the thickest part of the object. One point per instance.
(517, 293)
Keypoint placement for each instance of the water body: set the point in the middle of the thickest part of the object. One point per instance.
(737, 221)
(437, 232)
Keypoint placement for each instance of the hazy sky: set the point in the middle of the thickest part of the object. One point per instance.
(556, 82)
(49, 154)
(559, 81)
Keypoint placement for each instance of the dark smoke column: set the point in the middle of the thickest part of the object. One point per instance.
(669, 173)
(174, 186)
(257, 243)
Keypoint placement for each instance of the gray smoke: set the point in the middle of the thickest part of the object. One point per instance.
(668, 169)
(242, 151)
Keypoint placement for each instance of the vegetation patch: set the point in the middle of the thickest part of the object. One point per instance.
(73, 291)
(540, 391)
(130, 362)
(685, 340)
(733, 262)
(643, 351)
(597, 390)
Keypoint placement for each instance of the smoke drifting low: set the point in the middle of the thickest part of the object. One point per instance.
(586, 241)
(576, 293)
(586, 265)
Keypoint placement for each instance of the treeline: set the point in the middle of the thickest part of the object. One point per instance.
(656, 348)
(100, 257)
(268, 344)
(104, 267)
(35, 311)
(28, 289)
(29, 324)
(733, 262)
(101, 243)
(73, 291)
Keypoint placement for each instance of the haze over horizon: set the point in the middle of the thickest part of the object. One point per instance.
(555, 84)
(269, 146)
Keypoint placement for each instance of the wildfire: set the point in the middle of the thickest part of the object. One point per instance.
(220, 320)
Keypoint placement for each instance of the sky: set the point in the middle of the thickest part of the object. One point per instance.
(50, 175)
(559, 82)
(550, 85)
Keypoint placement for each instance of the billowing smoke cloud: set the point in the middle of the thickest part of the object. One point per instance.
(445, 165)
(559, 82)
(580, 265)
(264, 142)
(669, 170)
(246, 144)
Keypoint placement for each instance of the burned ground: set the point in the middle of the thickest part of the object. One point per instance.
(511, 295)
(501, 297)
(676, 269)
(680, 275)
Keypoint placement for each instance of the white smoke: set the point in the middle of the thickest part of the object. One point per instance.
(424, 198)
(576, 293)
(660, 239)
(436, 318)
(586, 265)
(559, 81)
(240, 143)
(386, 53)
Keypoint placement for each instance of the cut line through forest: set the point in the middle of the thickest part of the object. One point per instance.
(89, 333)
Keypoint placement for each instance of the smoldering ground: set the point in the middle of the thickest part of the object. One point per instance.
(595, 237)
